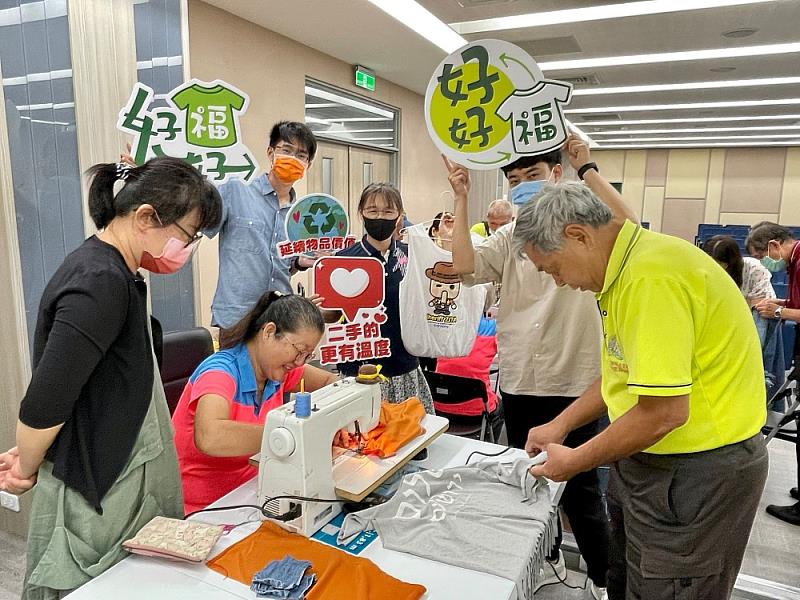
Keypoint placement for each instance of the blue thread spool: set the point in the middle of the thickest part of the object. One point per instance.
(302, 404)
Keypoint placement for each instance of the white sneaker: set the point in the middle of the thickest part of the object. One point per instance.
(553, 572)
(598, 593)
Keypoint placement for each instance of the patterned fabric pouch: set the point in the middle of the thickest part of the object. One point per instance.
(176, 539)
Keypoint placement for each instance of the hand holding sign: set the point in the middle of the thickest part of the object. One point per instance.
(349, 284)
(458, 177)
(577, 150)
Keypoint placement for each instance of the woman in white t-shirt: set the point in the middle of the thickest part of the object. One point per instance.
(753, 279)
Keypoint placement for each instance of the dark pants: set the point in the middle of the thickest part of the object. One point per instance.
(680, 522)
(581, 499)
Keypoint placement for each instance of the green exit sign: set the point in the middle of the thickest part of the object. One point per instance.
(365, 78)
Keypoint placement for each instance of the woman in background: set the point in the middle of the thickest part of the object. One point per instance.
(751, 277)
(380, 209)
(755, 282)
(441, 230)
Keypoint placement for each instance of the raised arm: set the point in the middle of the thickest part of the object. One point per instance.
(579, 154)
(463, 252)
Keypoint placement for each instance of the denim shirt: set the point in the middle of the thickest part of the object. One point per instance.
(252, 226)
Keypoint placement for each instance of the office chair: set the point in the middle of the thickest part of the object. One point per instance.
(183, 352)
(454, 390)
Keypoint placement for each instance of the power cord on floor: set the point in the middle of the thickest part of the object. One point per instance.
(563, 581)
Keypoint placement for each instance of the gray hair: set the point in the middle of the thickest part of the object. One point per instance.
(541, 221)
(500, 207)
(761, 234)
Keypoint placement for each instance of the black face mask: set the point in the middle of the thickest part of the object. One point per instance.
(380, 229)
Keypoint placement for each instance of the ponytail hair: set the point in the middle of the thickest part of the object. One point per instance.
(170, 185)
(290, 313)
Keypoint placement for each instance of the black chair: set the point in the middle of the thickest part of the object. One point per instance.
(451, 389)
(183, 351)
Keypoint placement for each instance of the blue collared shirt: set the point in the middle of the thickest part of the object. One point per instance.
(236, 363)
(253, 224)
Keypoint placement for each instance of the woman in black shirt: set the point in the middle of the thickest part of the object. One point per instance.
(94, 431)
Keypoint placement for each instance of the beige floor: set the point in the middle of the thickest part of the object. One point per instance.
(772, 553)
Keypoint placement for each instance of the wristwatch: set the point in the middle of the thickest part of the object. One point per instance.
(778, 312)
(586, 167)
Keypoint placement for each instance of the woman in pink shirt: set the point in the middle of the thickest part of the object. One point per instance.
(219, 420)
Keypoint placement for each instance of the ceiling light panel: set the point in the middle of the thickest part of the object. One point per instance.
(695, 130)
(695, 85)
(684, 106)
(795, 142)
(605, 123)
(594, 13)
(423, 22)
(701, 138)
(663, 57)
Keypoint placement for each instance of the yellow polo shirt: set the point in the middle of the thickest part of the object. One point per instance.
(481, 229)
(675, 323)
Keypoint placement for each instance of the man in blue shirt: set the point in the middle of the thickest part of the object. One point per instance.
(253, 224)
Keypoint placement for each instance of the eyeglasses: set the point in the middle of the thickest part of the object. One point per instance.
(302, 356)
(193, 239)
(387, 213)
(292, 151)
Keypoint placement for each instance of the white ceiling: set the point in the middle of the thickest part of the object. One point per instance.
(357, 32)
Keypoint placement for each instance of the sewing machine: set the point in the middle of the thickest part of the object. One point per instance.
(296, 452)
(296, 458)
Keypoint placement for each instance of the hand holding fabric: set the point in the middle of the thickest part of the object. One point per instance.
(539, 437)
(560, 464)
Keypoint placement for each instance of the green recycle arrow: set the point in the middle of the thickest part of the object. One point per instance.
(505, 57)
(503, 157)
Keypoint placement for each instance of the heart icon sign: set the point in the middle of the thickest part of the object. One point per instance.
(349, 283)
(296, 217)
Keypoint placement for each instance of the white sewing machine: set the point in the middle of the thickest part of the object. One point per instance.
(296, 452)
(295, 457)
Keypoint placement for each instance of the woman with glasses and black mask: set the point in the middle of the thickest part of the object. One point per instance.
(381, 208)
(94, 434)
(219, 420)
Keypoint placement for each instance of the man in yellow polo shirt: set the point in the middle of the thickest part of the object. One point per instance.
(683, 383)
(499, 213)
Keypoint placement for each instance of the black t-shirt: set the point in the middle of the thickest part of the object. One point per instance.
(92, 367)
(394, 269)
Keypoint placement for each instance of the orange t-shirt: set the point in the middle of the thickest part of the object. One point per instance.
(340, 576)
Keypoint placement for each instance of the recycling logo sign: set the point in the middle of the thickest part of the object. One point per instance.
(488, 104)
(316, 223)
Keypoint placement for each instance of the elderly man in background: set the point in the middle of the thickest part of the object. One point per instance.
(499, 213)
(683, 384)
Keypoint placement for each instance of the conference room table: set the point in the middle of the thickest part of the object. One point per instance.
(138, 577)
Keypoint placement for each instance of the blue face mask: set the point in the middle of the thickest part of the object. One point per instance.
(525, 190)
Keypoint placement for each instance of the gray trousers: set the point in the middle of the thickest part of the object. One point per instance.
(680, 522)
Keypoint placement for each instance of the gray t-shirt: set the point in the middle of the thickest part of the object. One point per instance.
(491, 517)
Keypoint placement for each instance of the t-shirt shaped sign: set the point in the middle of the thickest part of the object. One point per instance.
(487, 104)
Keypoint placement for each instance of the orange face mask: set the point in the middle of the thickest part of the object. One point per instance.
(288, 169)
